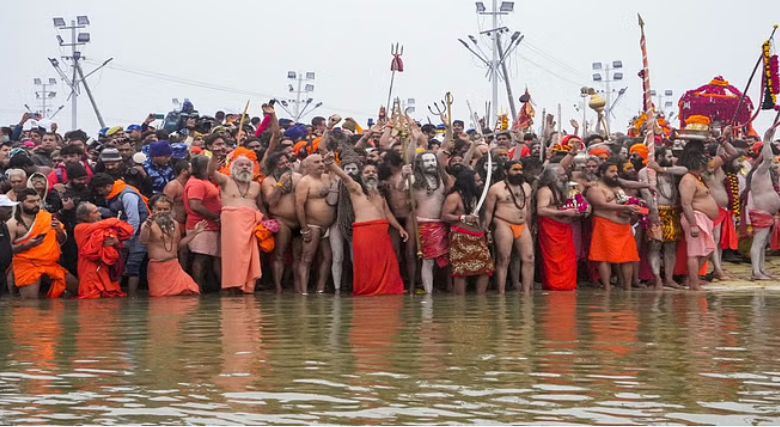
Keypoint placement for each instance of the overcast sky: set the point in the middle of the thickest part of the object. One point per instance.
(219, 54)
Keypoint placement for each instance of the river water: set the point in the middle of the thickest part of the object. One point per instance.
(551, 358)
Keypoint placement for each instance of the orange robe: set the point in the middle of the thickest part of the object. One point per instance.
(612, 242)
(240, 250)
(41, 260)
(559, 259)
(167, 279)
(375, 264)
(95, 260)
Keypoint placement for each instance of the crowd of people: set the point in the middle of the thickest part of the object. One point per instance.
(241, 203)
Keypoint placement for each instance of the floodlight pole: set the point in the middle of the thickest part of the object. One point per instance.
(44, 95)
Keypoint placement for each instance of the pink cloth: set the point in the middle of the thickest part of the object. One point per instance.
(703, 244)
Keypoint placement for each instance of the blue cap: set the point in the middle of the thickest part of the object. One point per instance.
(132, 128)
(102, 132)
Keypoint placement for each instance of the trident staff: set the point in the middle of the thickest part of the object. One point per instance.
(396, 65)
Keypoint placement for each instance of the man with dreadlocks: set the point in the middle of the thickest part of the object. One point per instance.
(279, 192)
(724, 231)
(761, 207)
(375, 264)
(665, 214)
(162, 236)
(341, 230)
(429, 192)
(469, 253)
(507, 207)
(556, 238)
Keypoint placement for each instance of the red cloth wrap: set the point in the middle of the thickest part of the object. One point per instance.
(559, 266)
(434, 237)
(375, 265)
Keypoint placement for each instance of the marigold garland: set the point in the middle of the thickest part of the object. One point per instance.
(770, 77)
(699, 120)
(732, 185)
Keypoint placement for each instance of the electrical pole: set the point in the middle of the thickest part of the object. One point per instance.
(497, 63)
(44, 95)
(304, 87)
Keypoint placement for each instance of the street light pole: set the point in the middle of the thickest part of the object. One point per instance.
(496, 64)
(75, 40)
(607, 79)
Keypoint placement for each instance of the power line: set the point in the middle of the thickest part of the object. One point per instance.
(210, 86)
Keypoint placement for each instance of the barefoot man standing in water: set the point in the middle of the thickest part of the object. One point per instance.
(315, 216)
(240, 216)
(375, 263)
(699, 212)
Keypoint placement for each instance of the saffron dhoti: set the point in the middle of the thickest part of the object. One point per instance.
(374, 263)
(728, 231)
(612, 242)
(240, 251)
(167, 278)
(433, 241)
(558, 256)
(469, 253)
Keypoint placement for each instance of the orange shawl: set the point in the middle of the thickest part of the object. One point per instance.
(120, 185)
(95, 259)
(41, 260)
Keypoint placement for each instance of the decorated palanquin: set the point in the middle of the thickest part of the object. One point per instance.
(717, 100)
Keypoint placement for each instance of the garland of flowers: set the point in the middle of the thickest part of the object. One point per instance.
(732, 186)
(771, 79)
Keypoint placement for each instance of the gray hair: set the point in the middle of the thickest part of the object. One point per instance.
(11, 172)
(82, 212)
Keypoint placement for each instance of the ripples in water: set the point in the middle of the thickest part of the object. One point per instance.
(551, 358)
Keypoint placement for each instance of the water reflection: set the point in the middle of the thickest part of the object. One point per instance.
(640, 358)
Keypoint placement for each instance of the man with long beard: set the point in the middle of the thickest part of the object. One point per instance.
(315, 216)
(612, 242)
(279, 192)
(36, 237)
(375, 263)
(162, 236)
(429, 191)
(507, 207)
(469, 253)
(665, 215)
(556, 239)
(240, 216)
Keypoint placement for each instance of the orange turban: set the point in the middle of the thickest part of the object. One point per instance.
(599, 152)
(640, 149)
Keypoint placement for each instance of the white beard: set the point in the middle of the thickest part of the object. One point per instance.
(242, 176)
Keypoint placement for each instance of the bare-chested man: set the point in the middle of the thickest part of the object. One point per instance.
(763, 203)
(175, 190)
(375, 264)
(315, 216)
(469, 253)
(242, 212)
(612, 241)
(279, 193)
(665, 214)
(699, 211)
(398, 201)
(161, 234)
(715, 180)
(507, 206)
(429, 191)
